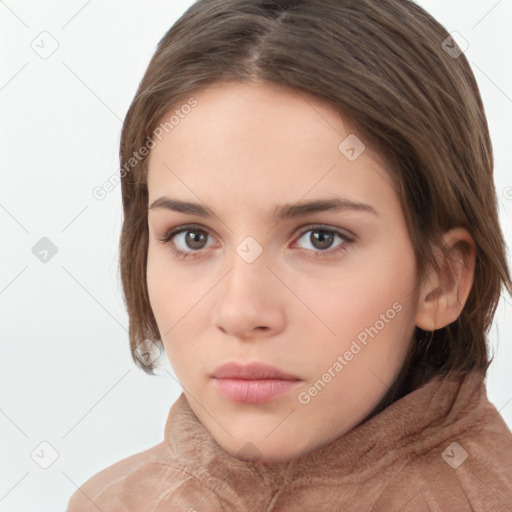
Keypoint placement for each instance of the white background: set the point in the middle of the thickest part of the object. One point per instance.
(66, 375)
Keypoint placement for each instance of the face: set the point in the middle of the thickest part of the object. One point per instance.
(324, 294)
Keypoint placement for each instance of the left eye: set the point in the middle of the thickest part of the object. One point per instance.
(322, 238)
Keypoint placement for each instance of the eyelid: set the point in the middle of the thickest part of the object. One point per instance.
(301, 231)
(180, 229)
(342, 231)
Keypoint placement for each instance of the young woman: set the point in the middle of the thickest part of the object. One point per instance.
(311, 234)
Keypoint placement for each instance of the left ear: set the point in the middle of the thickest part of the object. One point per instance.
(443, 294)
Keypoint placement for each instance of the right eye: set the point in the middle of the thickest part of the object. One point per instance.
(185, 240)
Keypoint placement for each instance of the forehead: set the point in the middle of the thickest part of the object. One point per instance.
(260, 140)
(253, 117)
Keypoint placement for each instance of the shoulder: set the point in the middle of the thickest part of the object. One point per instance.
(150, 480)
(470, 470)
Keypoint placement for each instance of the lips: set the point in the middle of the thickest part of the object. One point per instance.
(252, 371)
(254, 383)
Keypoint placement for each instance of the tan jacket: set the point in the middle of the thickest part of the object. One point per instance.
(443, 447)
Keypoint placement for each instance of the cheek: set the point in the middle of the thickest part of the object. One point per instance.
(354, 295)
(386, 275)
(159, 290)
(369, 302)
(171, 292)
(174, 299)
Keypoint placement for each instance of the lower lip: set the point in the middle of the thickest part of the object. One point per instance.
(254, 391)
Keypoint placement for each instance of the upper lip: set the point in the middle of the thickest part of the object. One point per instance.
(252, 371)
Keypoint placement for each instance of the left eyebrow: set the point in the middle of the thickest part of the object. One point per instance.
(287, 211)
(284, 211)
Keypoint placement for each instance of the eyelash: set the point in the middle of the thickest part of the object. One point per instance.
(340, 248)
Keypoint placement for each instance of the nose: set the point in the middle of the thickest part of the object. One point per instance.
(250, 300)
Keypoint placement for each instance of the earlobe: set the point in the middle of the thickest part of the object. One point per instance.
(444, 292)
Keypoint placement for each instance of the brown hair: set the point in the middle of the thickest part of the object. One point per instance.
(385, 66)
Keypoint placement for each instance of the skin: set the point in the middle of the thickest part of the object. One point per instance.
(243, 150)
